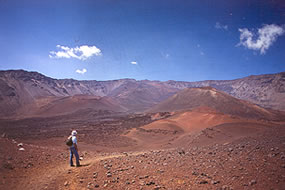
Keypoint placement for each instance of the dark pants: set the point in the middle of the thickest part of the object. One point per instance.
(73, 151)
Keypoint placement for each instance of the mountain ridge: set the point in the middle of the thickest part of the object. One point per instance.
(170, 80)
(20, 87)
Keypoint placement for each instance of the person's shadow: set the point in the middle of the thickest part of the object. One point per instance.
(83, 165)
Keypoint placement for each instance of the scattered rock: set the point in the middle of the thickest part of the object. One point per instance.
(29, 165)
(109, 174)
(20, 145)
(143, 177)
(150, 183)
(252, 182)
(125, 153)
(157, 188)
(89, 185)
(214, 182)
(66, 183)
(203, 182)
(21, 149)
(203, 174)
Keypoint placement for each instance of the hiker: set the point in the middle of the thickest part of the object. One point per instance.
(74, 149)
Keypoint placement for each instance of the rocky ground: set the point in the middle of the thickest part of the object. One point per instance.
(248, 163)
(252, 162)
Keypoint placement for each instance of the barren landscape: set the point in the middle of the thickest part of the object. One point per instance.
(140, 134)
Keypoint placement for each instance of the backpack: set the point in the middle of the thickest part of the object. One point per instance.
(69, 141)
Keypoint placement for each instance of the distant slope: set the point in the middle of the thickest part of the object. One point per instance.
(264, 90)
(51, 106)
(141, 95)
(19, 88)
(192, 98)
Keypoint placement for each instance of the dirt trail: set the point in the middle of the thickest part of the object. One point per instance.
(54, 176)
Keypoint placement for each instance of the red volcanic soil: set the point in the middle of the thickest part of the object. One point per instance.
(223, 144)
(198, 149)
(192, 98)
(178, 129)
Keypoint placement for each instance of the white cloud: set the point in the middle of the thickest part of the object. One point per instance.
(81, 71)
(220, 26)
(261, 41)
(202, 53)
(134, 63)
(81, 52)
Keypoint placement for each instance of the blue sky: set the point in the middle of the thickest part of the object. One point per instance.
(156, 40)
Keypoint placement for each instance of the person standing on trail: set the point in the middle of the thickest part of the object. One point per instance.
(74, 149)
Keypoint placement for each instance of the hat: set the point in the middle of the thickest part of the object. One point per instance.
(73, 133)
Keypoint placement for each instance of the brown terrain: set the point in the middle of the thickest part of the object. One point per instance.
(142, 134)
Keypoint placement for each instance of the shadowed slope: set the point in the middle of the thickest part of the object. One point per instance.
(66, 105)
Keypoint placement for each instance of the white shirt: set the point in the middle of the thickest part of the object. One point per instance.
(74, 140)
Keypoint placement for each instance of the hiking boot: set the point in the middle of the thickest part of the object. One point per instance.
(72, 165)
